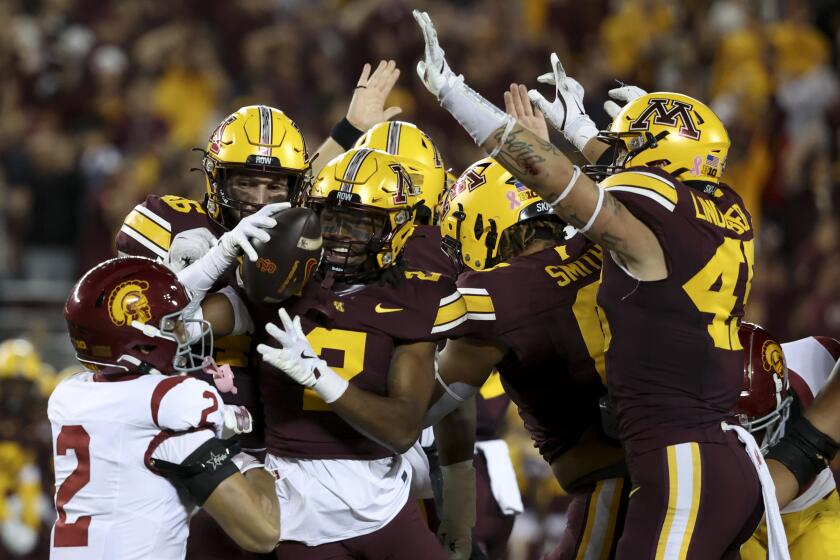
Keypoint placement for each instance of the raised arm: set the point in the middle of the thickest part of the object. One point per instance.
(367, 108)
(542, 166)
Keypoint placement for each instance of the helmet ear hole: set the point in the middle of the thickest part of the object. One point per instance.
(479, 226)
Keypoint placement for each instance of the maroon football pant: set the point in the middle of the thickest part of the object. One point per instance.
(492, 527)
(691, 501)
(207, 541)
(594, 522)
(406, 537)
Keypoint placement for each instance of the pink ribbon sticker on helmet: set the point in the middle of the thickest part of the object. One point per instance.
(514, 203)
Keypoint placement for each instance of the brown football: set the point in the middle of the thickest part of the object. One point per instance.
(287, 260)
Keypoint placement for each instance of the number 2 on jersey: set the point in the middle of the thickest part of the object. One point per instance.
(76, 533)
(712, 290)
(350, 343)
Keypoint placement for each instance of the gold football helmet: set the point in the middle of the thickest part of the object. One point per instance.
(406, 140)
(257, 145)
(363, 198)
(484, 202)
(671, 131)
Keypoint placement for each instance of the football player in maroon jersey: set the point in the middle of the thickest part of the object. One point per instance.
(357, 370)
(678, 267)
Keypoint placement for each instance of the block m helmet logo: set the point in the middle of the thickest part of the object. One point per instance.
(680, 112)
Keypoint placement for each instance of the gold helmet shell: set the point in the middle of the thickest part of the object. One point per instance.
(257, 138)
(406, 140)
(369, 184)
(484, 202)
(672, 131)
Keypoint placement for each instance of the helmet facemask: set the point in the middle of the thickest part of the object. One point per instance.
(354, 236)
(241, 190)
(623, 148)
(773, 424)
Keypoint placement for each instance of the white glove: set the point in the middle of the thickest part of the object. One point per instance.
(299, 361)
(238, 240)
(189, 246)
(479, 117)
(458, 516)
(434, 70)
(625, 94)
(200, 276)
(237, 420)
(566, 113)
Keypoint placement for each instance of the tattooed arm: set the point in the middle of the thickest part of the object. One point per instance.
(542, 166)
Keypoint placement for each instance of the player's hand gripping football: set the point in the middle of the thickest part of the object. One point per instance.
(298, 360)
(367, 107)
(239, 240)
(433, 69)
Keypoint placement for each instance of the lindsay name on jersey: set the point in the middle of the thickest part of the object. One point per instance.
(733, 219)
(588, 264)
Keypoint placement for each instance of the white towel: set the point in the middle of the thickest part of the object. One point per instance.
(503, 483)
(777, 546)
(421, 483)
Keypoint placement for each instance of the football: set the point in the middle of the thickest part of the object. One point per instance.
(285, 262)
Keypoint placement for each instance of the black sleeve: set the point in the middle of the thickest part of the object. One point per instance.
(203, 470)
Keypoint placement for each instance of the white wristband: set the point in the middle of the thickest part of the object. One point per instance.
(330, 386)
(569, 185)
(479, 117)
(595, 213)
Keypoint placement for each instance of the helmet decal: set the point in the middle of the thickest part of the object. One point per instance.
(266, 131)
(128, 302)
(216, 137)
(393, 146)
(405, 187)
(772, 358)
(679, 111)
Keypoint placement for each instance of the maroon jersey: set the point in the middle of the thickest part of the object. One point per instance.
(148, 231)
(355, 330)
(423, 251)
(674, 361)
(542, 306)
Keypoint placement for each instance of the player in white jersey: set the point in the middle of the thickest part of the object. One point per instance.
(780, 382)
(136, 449)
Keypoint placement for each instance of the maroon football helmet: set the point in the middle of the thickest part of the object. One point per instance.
(130, 315)
(765, 400)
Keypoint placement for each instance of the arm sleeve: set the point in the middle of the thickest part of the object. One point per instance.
(176, 448)
(181, 403)
(242, 318)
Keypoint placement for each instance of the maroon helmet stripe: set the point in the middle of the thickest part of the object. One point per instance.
(160, 391)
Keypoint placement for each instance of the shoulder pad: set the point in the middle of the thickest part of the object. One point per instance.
(645, 183)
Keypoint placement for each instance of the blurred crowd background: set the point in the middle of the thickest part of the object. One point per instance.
(101, 103)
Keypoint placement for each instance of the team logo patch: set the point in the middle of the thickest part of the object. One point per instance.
(772, 358)
(678, 114)
(266, 265)
(127, 302)
(711, 166)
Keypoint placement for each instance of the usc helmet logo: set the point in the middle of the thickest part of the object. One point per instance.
(772, 358)
(680, 112)
(127, 302)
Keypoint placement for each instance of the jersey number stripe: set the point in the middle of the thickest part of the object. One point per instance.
(72, 534)
(713, 289)
(350, 343)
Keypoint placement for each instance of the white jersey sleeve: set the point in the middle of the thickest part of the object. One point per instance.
(180, 446)
(812, 359)
(182, 403)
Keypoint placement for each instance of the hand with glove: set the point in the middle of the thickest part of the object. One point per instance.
(237, 420)
(189, 246)
(200, 276)
(566, 112)
(298, 360)
(479, 117)
(625, 94)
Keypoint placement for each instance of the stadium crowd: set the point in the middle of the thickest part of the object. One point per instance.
(102, 103)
